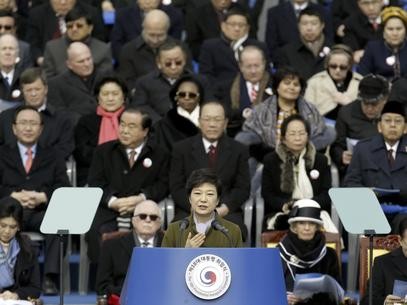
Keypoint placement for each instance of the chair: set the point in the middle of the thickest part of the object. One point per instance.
(381, 245)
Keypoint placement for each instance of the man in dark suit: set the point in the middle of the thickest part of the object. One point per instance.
(212, 148)
(30, 173)
(129, 170)
(306, 55)
(46, 22)
(58, 128)
(116, 252)
(381, 161)
(128, 24)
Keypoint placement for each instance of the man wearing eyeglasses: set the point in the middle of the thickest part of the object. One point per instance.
(116, 252)
(30, 172)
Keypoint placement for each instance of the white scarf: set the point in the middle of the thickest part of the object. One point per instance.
(237, 46)
(193, 116)
(303, 187)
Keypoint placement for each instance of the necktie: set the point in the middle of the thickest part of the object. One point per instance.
(253, 94)
(145, 244)
(375, 25)
(212, 156)
(252, 3)
(132, 156)
(29, 160)
(6, 82)
(390, 157)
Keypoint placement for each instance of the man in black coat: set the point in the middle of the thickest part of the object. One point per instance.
(212, 148)
(129, 170)
(30, 173)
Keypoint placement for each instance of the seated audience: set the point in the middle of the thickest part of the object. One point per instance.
(79, 27)
(57, 130)
(129, 170)
(219, 57)
(263, 126)
(387, 269)
(337, 85)
(251, 86)
(30, 173)
(203, 227)
(388, 56)
(182, 120)
(295, 170)
(303, 249)
(381, 161)
(101, 126)
(19, 268)
(308, 53)
(116, 253)
(359, 119)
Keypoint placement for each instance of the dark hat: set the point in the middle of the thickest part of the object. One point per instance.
(394, 107)
(373, 88)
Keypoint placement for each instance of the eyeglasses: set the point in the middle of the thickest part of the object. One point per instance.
(185, 94)
(144, 216)
(6, 27)
(175, 62)
(341, 67)
(28, 123)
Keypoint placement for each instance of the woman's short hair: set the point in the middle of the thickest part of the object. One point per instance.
(286, 72)
(402, 228)
(342, 49)
(10, 207)
(294, 117)
(201, 176)
(184, 79)
(111, 79)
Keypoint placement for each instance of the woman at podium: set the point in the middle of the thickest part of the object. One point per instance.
(204, 227)
(303, 249)
(19, 269)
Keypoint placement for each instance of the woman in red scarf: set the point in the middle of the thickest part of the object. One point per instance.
(99, 127)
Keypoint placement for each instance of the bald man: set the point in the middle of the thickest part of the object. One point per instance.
(116, 253)
(72, 91)
(10, 73)
(128, 24)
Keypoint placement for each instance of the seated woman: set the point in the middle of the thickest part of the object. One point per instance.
(388, 56)
(388, 268)
(303, 249)
(99, 127)
(19, 269)
(181, 121)
(204, 227)
(337, 85)
(295, 170)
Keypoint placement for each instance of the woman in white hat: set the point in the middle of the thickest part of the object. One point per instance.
(303, 249)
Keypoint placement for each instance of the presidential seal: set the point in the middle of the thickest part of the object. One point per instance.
(208, 276)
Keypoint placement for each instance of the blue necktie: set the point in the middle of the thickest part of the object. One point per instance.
(252, 3)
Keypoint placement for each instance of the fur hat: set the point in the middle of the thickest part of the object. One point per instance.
(306, 210)
(393, 11)
(394, 107)
(373, 88)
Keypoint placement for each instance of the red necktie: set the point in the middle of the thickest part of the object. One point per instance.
(29, 161)
(253, 94)
(212, 156)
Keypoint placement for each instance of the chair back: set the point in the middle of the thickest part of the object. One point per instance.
(114, 234)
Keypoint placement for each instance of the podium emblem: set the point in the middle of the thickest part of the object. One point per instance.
(208, 276)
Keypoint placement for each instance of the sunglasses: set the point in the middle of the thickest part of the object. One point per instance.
(176, 62)
(341, 67)
(6, 27)
(190, 95)
(144, 216)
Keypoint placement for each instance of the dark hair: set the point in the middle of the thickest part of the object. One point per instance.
(30, 75)
(402, 227)
(77, 13)
(146, 120)
(294, 117)
(10, 207)
(310, 11)
(111, 79)
(8, 13)
(26, 107)
(214, 102)
(286, 72)
(187, 78)
(237, 10)
(169, 45)
(201, 176)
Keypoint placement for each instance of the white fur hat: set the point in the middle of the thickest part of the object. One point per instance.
(306, 210)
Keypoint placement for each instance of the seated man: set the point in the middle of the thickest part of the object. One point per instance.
(359, 119)
(116, 252)
(381, 161)
(129, 170)
(30, 173)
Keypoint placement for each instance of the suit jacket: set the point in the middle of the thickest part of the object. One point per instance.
(386, 268)
(12, 93)
(370, 168)
(114, 261)
(43, 25)
(128, 25)
(110, 171)
(55, 55)
(47, 173)
(57, 131)
(26, 60)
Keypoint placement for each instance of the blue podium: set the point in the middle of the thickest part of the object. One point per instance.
(174, 276)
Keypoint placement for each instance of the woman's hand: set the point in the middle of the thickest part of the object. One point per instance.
(196, 241)
(292, 299)
(8, 295)
(391, 299)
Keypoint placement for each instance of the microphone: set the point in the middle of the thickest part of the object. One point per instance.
(184, 223)
(217, 226)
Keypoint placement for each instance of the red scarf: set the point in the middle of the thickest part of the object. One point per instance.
(109, 126)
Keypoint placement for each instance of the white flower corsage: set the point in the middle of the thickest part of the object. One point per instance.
(147, 162)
